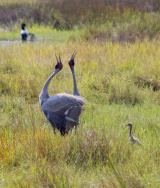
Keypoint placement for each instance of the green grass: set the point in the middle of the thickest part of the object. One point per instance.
(48, 33)
(99, 154)
(42, 33)
(6, 34)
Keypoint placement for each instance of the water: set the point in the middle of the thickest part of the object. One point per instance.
(9, 42)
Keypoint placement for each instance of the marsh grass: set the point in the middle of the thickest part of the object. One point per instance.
(98, 154)
(127, 26)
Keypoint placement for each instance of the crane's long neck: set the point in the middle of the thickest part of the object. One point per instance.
(130, 131)
(75, 89)
(44, 92)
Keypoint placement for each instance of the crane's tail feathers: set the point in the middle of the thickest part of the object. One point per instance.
(72, 117)
(73, 113)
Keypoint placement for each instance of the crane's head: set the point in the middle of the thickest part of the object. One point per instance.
(71, 61)
(59, 64)
(129, 125)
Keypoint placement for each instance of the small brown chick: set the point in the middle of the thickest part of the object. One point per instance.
(132, 139)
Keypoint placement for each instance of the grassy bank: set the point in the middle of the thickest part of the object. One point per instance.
(99, 155)
(116, 21)
(119, 26)
(42, 33)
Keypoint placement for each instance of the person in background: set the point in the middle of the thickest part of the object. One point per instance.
(24, 32)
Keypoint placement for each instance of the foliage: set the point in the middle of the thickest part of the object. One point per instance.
(69, 13)
(127, 27)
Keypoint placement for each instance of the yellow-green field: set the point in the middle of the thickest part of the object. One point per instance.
(8, 2)
(99, 154)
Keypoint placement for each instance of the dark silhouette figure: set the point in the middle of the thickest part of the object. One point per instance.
(24, 32)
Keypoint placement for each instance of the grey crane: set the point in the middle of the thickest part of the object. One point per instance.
(62, 110)
(132, 138)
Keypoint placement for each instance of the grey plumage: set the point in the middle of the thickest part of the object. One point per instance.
(62, 110)
(132, 138)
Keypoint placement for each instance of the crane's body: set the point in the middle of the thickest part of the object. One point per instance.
(132, 139)
(62, 110)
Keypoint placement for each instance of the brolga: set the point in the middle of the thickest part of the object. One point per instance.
(62, 110)
(132, 139)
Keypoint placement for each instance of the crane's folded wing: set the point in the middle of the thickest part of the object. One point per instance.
(61, 102)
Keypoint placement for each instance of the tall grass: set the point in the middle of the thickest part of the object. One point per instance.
(99, 154)
(66, 14)
(125, 27)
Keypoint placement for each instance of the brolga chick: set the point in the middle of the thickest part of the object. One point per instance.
(62, 110)
(132, 139)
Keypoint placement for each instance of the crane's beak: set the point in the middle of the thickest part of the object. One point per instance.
(73, 55)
